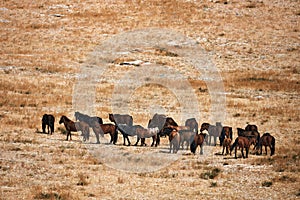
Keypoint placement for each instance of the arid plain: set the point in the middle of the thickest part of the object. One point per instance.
(254, 45)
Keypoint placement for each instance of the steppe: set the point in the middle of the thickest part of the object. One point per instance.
(253, 44)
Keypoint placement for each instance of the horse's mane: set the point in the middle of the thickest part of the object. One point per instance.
(66, 118)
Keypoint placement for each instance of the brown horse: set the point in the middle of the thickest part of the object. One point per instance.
(198, 141)
(267, 140)
(179, 128)
(121, 119)
(225, 133)
(193, 124)
(186, 136)
(251, 127)
(243, 143)
(249, 134)
(213, 131)
(75, 127)
(105, 129)
(143, 133)
(174, 139)
(226, 145)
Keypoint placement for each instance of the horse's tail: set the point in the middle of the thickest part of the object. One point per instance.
(193, 147)
(272, 146)
(234, 144)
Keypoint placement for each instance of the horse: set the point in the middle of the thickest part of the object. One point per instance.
(213, 131)
(243, 143)
(186, 136)
(160, 121)
(226, 145)
(251, 127)
(121, 119)
(87, 119)
(193, 124)
(105, 129)
(75, 127)
(127, 131)
(198, 141)
(267, 140)
(251, 133)
(179, 128)
(225, 133)
(174, 139)
(48, 121)
(143, 133)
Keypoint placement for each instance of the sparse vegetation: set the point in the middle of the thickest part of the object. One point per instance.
(254, 45)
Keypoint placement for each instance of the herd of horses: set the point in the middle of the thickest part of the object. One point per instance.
(162, 126)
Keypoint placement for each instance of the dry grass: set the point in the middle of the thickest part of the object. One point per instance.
(254, 44)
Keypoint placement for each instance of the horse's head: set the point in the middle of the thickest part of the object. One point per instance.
(61, 119)
(111, 117)
(204, 126)
(76, 115)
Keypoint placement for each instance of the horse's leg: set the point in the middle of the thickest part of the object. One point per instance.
(247, 151)
(235, 150)
(157, 140)
(266, 149)
(97, 137)
(124, 140)
(224, 149)
(201, 149)
(143, 142)
(137, 141)
(153, 139)
(111, 138)
(128, 140)
(242, 150)
(170, 147)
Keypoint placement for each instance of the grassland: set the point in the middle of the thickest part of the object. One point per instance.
(254, 45)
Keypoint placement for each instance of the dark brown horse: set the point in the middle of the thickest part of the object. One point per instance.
(251, 127)
(226, 145)
(193, 124)
(225, 133)
(198, 141)
(213, 131)
(174, 139)
(101, 129)
(75, 127)
(267, 140)
(251, 133)
(121, 119)
(243, 143)
(48, 121)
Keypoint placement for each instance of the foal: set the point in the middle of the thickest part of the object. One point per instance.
(174, 139)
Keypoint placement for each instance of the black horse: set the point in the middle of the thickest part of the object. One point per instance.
(48, 121)
(87, 119)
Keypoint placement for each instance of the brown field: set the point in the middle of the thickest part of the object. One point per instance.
(254, 44)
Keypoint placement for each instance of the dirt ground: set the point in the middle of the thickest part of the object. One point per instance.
(58, 57)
